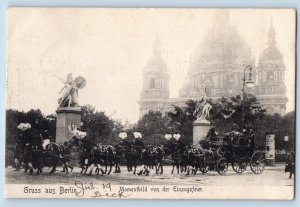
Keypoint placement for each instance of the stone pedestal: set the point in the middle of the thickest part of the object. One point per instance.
(200, 129)
(68, 119)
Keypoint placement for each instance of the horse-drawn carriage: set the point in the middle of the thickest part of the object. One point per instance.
(238, 149)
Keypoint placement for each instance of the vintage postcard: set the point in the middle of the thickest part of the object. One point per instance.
(115, 103)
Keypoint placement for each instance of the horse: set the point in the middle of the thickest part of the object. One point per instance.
(27, 158)
(144, 159)
(66, 151)
(86, 149)
(158, 155)
(194, 160)
(109, 156)
(95, 155)
(96, 159)
(54, 153)
(37, 158)
(18, 154)
(183, 154)
(170, 148)
(29, 154)
(151, 157)
(130, 153)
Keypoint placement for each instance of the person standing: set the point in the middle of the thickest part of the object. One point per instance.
(290, 164)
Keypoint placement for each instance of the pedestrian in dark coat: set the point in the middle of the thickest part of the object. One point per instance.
(290, 164)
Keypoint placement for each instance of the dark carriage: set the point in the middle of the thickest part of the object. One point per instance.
(240, 151)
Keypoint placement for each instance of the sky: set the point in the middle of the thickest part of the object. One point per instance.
(110, 48)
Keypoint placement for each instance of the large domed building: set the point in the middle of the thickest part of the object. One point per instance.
(218, 62)
(217, 69)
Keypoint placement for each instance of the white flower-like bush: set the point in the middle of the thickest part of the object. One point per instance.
(168, 136)
(176, 136)
(123, 135)
(79, 134)
(137, 135)
(24, 126)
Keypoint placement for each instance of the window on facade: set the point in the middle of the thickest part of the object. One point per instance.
(270, 110)
(152, 83)
(231, 80)
(264, 77)
(270, 76)
(157, 83)
(163, 83)
(215, 80)
(259, 77)
(209, 91)
(279, 75)
(157, 94)
(199, 81)
(221, 81)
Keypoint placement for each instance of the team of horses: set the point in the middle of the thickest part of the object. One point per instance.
(101, 159)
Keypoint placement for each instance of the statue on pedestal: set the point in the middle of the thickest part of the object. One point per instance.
(69, 93)
(68, 112)
(202, 110)
(201, 125)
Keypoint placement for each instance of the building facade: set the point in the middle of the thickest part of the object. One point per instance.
(217, 69)
(270, 88)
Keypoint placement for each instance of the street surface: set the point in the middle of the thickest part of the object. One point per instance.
(272, 176)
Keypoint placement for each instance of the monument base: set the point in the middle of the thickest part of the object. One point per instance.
(68, 119)
(200, 129)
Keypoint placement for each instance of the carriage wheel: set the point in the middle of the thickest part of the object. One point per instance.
(222, 166)
(239, 167)
(257, 162)
(204, 168)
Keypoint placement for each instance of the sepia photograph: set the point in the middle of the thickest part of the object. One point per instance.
(149, 103)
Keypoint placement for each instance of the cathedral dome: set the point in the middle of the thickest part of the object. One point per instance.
(221, 48)
(218, 61)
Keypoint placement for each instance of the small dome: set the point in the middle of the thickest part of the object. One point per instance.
(271, 55)
(156, 65)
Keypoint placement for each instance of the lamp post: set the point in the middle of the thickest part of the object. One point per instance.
(249, 83)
